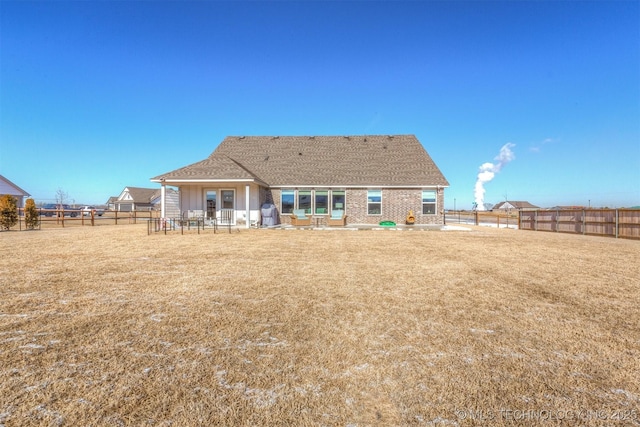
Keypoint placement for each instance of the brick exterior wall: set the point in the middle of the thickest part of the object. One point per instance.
(396, 204)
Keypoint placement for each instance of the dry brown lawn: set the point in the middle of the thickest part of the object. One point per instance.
(109, 326)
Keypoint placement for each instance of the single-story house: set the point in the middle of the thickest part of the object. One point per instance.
(370, 178)
(111, 203)
(568, 207)
(144, 199)
(511, 205)
(8, 187)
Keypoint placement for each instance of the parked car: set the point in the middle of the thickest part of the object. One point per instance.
(51, 209)
(86, 211)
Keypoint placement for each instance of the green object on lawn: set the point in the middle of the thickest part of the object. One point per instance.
(387, 224)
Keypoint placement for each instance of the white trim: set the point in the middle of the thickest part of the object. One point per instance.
(368, 202)
(435, 202)
(207, 181)
(282, 190)
(344, 187)
(205, 192)
(283, 187)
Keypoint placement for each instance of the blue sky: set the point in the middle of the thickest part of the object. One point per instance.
(97, 95)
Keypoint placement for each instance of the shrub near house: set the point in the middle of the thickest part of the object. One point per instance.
(8, 211)
(31, 217)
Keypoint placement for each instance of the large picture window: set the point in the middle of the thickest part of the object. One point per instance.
(374, 202)
(337, 200)
(304, 200)
(313, 202)
(428, 202)
(287, 201)
(322, 202)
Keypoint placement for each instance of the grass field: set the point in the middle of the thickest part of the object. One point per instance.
(109, 326)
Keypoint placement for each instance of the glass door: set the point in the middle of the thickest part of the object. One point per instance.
(228, 206)
(211, 203)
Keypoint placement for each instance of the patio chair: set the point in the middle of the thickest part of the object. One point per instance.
(337, 218)
(299, 217)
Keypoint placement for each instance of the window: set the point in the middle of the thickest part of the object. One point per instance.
(337, 200)
(322, 202)
(228, 197)
(287, 200)
(428, 202)
(304, 200)
(374, 202)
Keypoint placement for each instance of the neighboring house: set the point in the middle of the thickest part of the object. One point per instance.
(144, 199)
(371, 178)
(564, 208)
(111, 203)
(8, 187)
(510, 205)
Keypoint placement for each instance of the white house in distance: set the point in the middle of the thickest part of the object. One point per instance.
(371, 178)
(144, 199)
(512, 205)
(8, 187)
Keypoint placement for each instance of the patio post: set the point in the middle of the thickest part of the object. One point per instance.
(163, 194)
(246, 205)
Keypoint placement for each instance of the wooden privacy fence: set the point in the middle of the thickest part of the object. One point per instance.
(623, 223)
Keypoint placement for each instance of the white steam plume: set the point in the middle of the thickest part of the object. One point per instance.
(489, 170)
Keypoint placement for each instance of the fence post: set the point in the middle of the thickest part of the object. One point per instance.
(617, 223)
(584, 221)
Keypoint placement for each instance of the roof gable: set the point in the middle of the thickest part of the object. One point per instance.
(511, 204)
(137, 194)
(378, 160)
(8, 187)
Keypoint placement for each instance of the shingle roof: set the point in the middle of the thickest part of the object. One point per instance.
(516, 204)
(378, 160)
(141, 195)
